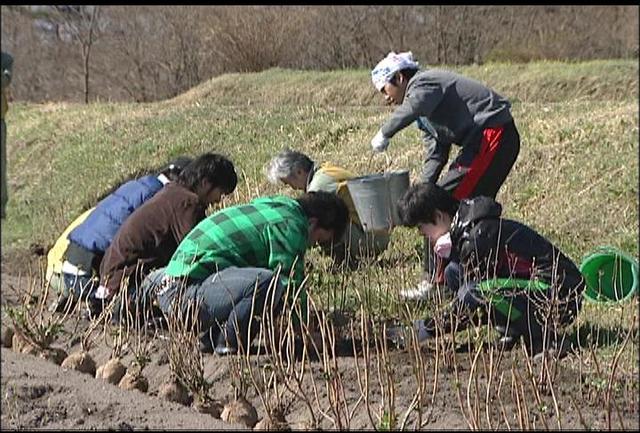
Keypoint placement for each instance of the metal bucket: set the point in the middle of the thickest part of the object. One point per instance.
(398, 184)
(375, 197)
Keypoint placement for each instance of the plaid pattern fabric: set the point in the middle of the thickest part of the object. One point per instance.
(268, 232)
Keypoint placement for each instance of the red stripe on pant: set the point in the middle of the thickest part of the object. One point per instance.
(491, 138)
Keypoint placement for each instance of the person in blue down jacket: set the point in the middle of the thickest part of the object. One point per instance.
(89, 240)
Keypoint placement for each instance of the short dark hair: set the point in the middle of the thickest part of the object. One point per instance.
(330, 210)
(420, 202)
(408, 73)
(215, 168)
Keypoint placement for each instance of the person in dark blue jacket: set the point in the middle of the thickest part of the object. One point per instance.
(89, 240)
(504, 272)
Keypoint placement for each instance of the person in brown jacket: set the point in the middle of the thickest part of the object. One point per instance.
(149, 237)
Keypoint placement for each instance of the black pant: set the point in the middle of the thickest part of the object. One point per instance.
(488, 184)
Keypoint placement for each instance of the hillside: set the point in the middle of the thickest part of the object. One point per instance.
(576, 177)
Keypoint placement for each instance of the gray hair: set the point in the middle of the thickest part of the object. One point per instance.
(286, 163)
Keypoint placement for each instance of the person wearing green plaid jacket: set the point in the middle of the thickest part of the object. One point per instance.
(243, 258)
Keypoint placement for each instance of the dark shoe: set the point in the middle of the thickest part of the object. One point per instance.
(557, 350)
(205, 346)
(507, 339)
(397, 336)
(225, 350)
(506, 342)
(210, 339)
(61, 305)
(226, 343)
(157, 322)
(92, 308)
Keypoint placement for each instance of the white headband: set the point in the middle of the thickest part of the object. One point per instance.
(387, 67)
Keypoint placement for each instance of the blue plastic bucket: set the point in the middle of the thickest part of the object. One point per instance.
(611, 276)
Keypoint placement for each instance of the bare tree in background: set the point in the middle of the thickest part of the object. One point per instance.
(148, 53)
(402, 29)
(252, 38)
(81, 23)
(44, 68)
(140, 64)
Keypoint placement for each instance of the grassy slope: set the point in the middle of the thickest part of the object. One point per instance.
(576, 178)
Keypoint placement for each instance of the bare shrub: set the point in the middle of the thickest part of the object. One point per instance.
(185, 359)
(34, 329)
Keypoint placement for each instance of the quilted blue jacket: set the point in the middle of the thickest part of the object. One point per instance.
(97, 231)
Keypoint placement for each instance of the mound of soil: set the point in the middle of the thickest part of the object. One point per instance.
(37, 393)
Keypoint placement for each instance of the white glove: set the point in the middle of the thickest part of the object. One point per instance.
(379, 143)
(443, 246)
(101, 292)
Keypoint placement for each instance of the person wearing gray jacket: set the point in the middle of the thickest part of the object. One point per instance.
(449, 109)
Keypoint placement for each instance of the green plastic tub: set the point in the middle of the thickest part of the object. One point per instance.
(611, 276)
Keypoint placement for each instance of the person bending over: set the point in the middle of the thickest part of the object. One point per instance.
(503, 271)
(73, 263)
(449, 109)
(301, 173)
(241, 260)
(150, 236)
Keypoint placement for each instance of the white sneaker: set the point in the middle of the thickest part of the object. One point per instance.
(555, 350)
(419, 293)
(399, 335)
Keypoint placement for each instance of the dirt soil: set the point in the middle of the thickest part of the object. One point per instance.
(38, 394)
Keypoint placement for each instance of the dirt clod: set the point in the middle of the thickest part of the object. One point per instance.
(134, 381)
(208, 406)
(112, 371)
(7, 336)
(240, 411)
(54, 354)
(275, 422)
(173, 390)
(80, 361)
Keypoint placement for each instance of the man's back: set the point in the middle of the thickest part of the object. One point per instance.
(507, 248)
(97, 231)
(268, 232)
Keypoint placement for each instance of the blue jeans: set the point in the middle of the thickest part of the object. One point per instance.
(226, 299)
